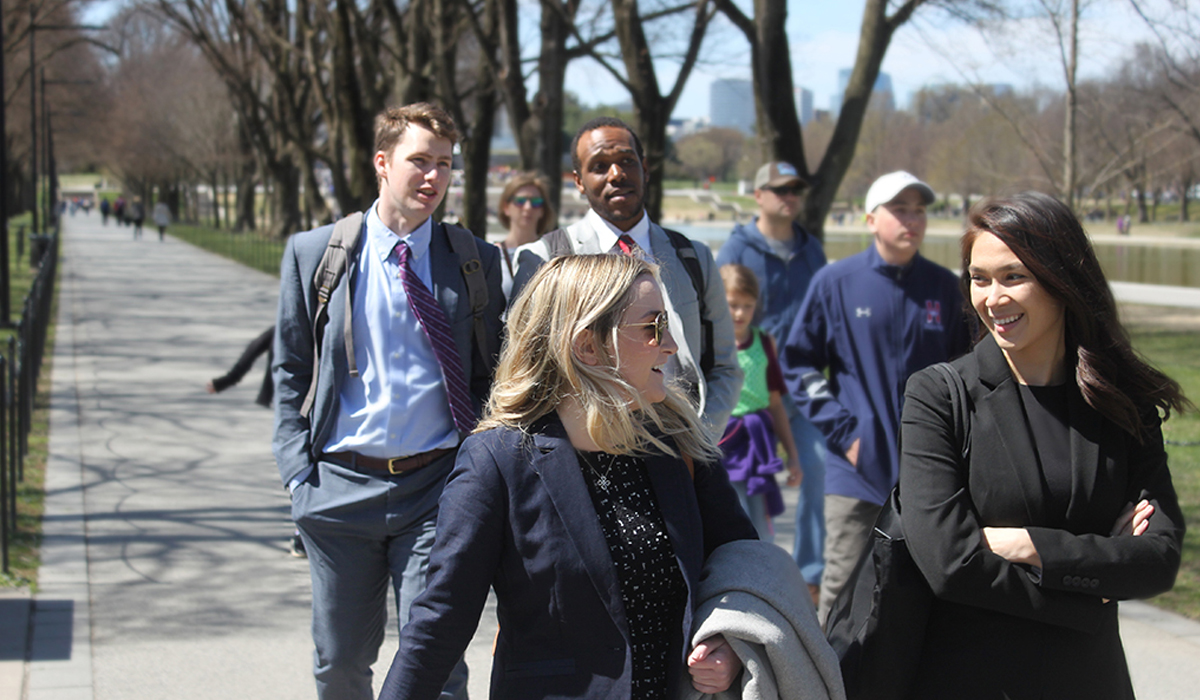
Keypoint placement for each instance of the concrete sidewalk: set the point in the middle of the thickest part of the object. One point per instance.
(165, 566)
(165, 569)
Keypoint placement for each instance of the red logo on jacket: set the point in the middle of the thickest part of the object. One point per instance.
(933, 313)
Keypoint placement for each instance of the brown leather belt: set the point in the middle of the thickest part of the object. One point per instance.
(395, 465)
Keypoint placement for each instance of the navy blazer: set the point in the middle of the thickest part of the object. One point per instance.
(299, 438)
(996, 629)
(516, 516)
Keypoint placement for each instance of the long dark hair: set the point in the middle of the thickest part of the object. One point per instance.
(1045, 235)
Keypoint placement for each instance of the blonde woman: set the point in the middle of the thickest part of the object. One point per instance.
(526, 212)
(574, 501)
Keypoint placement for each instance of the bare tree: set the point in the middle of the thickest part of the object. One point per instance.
(778, 125)
(710, 153)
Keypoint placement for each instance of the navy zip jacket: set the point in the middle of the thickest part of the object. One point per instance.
(872, 325)
(782, 284)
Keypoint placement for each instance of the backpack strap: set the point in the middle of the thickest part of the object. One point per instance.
(342, 245)
(557, 243)
(691, 262)
(463, 243)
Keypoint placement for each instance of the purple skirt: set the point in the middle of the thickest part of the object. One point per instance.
(749, 448)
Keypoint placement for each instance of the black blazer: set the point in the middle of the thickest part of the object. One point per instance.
(997, 629)
(516, 516)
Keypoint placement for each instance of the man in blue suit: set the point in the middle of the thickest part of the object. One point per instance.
(366, 454)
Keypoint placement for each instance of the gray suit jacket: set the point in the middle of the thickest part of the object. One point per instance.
(299, 438)
(719, 390)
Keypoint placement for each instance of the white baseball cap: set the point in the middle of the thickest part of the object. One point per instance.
(888, 186)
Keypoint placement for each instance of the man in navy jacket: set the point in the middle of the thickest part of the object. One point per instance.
(785, 257)
(872, 320)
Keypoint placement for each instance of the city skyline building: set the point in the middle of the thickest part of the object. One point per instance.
(883, 90)
(804, 105)
(731, 104)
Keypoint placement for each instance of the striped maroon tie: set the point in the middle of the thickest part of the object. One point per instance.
(433, 322)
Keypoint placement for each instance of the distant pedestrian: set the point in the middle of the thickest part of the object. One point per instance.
(162, 217)
(526, 212)
(119, 211)
(136, 215)
(105, 209)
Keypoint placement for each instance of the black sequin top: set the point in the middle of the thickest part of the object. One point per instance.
(652, 586)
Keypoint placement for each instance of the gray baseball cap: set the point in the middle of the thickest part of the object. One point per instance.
(778, 174)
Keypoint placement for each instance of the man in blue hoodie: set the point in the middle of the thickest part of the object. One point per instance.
(871, 320)
(785, 257)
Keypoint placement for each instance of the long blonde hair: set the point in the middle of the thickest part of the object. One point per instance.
(571, 295)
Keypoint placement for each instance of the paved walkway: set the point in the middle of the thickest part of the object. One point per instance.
(165, 566)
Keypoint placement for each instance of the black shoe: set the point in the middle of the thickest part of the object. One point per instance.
(298, 548)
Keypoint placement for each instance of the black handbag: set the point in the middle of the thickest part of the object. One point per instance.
(877, 623)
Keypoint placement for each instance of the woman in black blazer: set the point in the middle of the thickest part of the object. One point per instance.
(1065, 503)
(576, 502)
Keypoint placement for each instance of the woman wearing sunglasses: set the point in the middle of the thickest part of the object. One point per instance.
(578, 500)
(526, 212)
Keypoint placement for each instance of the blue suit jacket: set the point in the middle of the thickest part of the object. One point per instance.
(516, 516)
(299, 438)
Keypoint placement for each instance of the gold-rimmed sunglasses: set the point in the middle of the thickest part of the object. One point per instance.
(660, 325)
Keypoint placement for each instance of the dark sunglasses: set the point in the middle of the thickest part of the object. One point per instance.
(785, 191)
(660, 325)
(535, 202)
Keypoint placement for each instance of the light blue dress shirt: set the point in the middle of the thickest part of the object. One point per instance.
(398, 406)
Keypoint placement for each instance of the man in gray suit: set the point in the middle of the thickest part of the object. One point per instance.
(610, 170)
(366, 464)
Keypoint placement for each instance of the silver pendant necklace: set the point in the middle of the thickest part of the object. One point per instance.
(602, 481)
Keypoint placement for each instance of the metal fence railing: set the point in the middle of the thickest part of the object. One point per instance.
(19, 372)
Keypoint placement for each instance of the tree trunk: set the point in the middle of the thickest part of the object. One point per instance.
(512, 81)
(1072, 108)
(1184, 199)
(285, 198)
(352, 98)
(246, 181)
(876, 35)
(546, 129)
(651, 108)
(476, 153)
(779, 133)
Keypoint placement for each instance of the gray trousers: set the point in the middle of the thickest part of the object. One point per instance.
(848, 525)
(362, 529)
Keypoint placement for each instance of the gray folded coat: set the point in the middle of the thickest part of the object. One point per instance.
(752, 593)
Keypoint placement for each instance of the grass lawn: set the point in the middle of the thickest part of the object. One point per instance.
(1174, 352)
(23, 548)
(251, 249)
